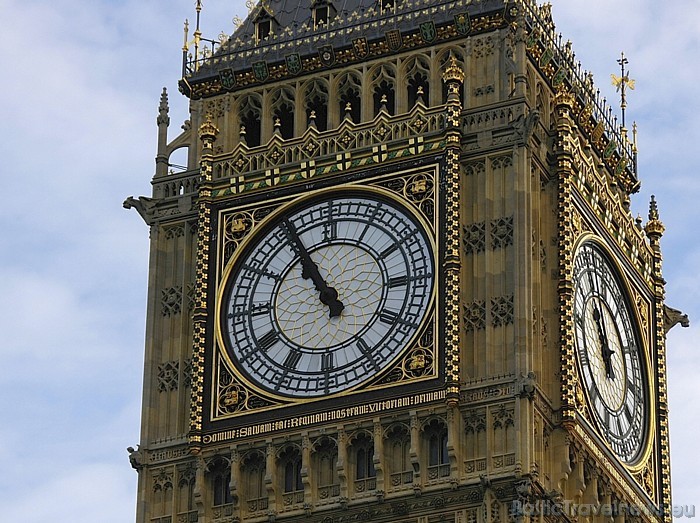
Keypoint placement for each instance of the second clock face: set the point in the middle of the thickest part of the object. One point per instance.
(329, 294)
(609, 353)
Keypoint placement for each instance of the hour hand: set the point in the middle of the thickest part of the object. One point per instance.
(309, 270)
(604, 347)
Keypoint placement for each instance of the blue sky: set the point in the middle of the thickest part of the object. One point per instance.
(81, 84)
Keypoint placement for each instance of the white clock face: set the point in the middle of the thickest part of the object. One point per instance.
(328, 294)
(609, 353)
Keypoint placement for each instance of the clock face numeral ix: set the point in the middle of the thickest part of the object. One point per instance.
(328, 294)
(609, 353)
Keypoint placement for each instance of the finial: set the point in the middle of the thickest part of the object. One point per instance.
(634, 137)
(242, 134)
(453, 72)
(419, 95)
(653, 209)
(187, 30)
(383, 101)
(163, 108)
(208, 131)
(621, 83)
(654, 227)
(348, 111)
(312, 118)
(278, 126)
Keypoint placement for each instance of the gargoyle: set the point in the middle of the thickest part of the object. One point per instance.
(143, 205)
(673, 317)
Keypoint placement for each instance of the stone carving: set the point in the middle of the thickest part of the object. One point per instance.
(135, 457)
(501, 310)
(143, 205)
(171, 300)
(168, 376)
(501, 232)
(474, 239)
(475, 316)
(673, 317)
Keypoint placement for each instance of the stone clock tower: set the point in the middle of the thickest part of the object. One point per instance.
(398, 279)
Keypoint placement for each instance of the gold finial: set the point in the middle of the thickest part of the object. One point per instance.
(634, 137)
(187, 30)
(208, 131)
(237, 21)
(453, 72)
(654, 228)
(621, 83)
(250, 4)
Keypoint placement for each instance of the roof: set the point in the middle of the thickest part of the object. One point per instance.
(294, 30)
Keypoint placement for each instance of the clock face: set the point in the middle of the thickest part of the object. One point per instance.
(609, 353)
(328, 294)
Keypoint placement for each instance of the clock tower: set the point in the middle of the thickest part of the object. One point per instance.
(398, 279)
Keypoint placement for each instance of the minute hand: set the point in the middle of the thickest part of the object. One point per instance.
(327, 295)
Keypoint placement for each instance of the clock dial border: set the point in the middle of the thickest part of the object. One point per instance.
(429, 317)
(616, 270)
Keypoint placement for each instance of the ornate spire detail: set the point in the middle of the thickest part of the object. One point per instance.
(453, 72)
(654, 228)
(208, 131)
(163, 108)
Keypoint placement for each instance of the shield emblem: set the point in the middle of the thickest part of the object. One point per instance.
(559, 77)
(294, 65)
(463, 23)
(260, 71)
(610, 149)
(360, 47)
(546, 57)
(326, 55)
(394, 40)
(227, 78)
(428, 32)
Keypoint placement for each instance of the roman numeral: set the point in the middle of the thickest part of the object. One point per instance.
(386, 252)
(259, 309)
(398, 281)
(292, 359)
(388, 316)
(330, 230)
(268, 340)
(365, 350)
(327, 361)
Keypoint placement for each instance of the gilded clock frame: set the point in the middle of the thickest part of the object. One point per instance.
(644, 355)
(411, 188)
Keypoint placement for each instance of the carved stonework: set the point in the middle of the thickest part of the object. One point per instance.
(171, 300)
(474, 238)
(168, 374)
(501, 311)
(475, 316)
(501, 232)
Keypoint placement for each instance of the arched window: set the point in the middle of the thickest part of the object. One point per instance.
(417, 74)
(383, 89)
(253, 474)
(398, 458)
(326, 461)
(362, 452)
(220, 478)
(349, 89)
(317, 104)
(435, 438)
(289, 462)
(283, 112)
(162, 496)
(250, 111)
(185, 495)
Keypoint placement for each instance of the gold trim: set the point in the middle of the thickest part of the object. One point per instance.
(430, 315)
(647, 447)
